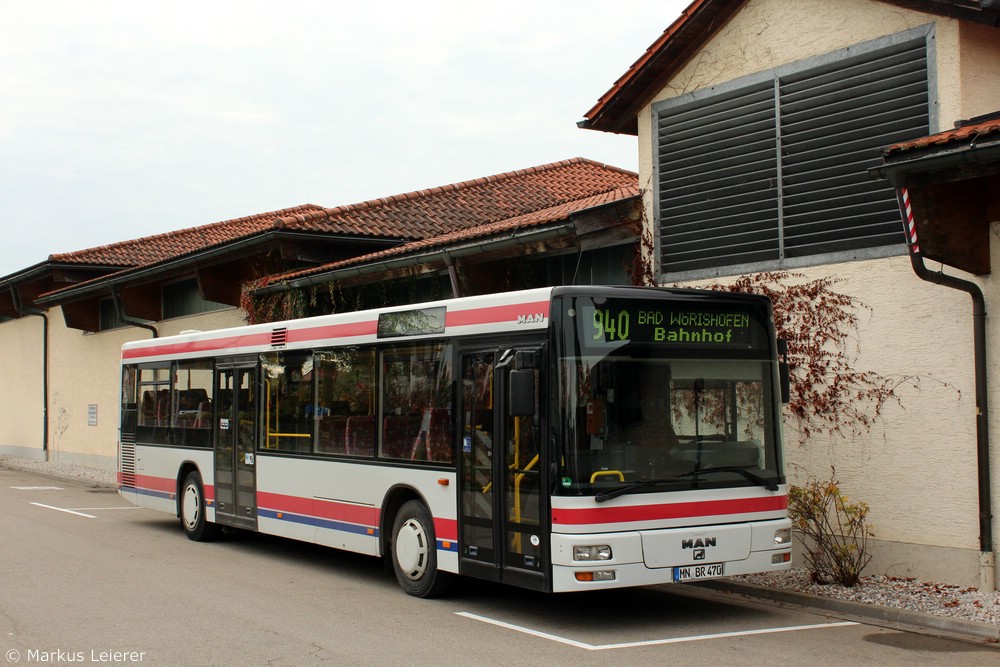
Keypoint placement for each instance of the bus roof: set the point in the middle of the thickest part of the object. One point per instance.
(505, 312)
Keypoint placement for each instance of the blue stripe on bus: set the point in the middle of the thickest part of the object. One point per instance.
(447, 545)
(154, 493)
(319, 523)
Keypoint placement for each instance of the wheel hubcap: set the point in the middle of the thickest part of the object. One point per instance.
(412, 549)
(191, 506)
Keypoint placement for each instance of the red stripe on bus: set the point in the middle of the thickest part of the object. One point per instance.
(187, 347)
(705, 508)
(446, 529)
(369, 328)
(323, 509)
(495, 314)
(156, 483)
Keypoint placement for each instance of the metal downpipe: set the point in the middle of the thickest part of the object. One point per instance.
(120, 310)
(979, 362)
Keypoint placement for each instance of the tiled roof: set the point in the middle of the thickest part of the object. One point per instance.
(965, 135)
(617, 110)
(424, 214)
(479, 232)
(442, 210)
(160, 247)
(414, 215)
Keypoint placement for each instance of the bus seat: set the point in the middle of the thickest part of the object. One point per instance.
(434, 442)
(148, 411)
(397, 432)
(360, 435)
(332, 435)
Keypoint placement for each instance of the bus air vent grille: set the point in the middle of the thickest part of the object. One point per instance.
(279, 337)
(127, 463)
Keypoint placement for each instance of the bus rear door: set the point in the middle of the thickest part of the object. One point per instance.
(502, 537)
(235, 434)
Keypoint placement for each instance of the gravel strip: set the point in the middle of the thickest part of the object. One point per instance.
(968, 604)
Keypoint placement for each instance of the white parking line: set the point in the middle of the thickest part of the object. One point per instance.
(649, 642)
(37, 488)
(60, 509)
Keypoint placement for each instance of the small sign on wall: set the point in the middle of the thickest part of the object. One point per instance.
(92, 414)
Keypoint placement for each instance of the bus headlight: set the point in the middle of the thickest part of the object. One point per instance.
(589, 553)
(783, 536)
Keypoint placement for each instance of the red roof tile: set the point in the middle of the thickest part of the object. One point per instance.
(160, 247)
(479, 232)
(967, 134)
(424, 214)
(446, 209)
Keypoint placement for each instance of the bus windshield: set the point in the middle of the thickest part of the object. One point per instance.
(645, 407)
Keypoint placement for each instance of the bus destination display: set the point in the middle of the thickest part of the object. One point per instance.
(661, 322)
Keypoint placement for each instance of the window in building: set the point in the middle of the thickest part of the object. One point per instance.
(771, 170)
(109, 318)
(184, 298)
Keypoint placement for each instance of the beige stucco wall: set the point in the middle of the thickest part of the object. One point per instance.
(84, 371)
(917, 467)
(21, 416)
(771, 33)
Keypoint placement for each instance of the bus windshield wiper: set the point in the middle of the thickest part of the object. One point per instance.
(628, 488)
(752, 476)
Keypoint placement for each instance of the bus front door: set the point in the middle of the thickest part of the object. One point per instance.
(235, 434)
(502, 536)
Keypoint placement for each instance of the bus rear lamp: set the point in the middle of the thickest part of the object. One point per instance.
(784, 557)
(783, 536)
(595, 552)
(597, 575)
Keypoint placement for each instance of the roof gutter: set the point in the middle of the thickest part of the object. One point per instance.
(897, 171)
(132, 275)
(116, 299)
(445, 255)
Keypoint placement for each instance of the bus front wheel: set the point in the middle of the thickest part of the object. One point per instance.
(414, 551)
(192, 510)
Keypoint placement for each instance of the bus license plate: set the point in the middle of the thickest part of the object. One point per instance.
(695, 572)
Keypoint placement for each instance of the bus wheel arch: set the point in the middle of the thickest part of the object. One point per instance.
(414, 551)
(410, 545)
(191, 505)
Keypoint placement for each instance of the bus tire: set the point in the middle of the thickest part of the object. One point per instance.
(192, 510)
(414, 551)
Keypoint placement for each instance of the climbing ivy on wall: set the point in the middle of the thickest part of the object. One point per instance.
(829, 394)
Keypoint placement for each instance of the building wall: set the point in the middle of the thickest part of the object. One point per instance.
(21, 416)
(84, 376)
(917, 467)
(980, 47)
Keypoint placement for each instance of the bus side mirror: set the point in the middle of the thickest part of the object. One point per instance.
(521, 393)
(784, 376)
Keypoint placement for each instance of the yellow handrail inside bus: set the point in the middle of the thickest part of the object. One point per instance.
(605, 473)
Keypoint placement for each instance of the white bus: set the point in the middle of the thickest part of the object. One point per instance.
(558, 439)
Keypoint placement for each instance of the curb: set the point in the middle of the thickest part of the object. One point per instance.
(875, 613)
(52, 470)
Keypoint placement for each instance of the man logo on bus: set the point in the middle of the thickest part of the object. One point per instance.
(536, 318)
(698, 543)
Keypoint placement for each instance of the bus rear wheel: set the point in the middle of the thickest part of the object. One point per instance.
(192, 510)
(414, 551)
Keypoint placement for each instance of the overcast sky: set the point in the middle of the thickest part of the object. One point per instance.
(121, 119)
